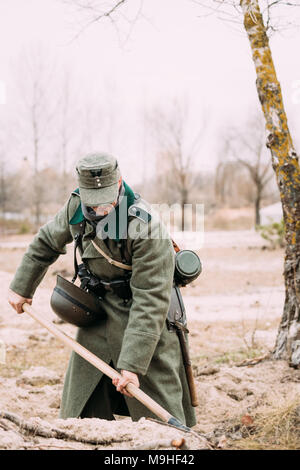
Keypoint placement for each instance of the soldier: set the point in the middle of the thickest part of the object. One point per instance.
(133, 337)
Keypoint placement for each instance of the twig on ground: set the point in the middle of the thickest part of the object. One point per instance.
(49, 446)
(4, 426)
(253, 344)
(254, 360)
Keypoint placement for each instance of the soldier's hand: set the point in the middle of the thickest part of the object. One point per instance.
(127, 377)
(17, 301)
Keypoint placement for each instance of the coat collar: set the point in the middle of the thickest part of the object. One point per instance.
(115, 224)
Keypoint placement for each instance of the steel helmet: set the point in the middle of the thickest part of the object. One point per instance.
(75, 305)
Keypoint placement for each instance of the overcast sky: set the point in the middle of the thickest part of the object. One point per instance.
(173, 52)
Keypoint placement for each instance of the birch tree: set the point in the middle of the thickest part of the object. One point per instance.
(285, 163)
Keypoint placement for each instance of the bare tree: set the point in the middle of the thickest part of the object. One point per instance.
(7, 198)
(178, 148)
(121, 14)
(232, 184)
(229, 11)
(273, 13)
(3, 191)
(38, 106)
(245, 149)
(3, 184)
(65, 128)
(68, 126)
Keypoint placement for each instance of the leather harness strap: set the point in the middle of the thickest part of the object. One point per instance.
(128, 267)
(175, 246)
(110, 260)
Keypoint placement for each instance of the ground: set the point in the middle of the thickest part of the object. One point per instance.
(233, 310)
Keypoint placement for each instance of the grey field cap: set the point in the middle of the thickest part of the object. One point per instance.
(98, 176)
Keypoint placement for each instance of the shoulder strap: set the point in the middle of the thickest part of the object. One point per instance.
(110, 260)
(78, 244)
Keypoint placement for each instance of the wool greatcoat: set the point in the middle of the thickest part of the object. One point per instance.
(134, 336)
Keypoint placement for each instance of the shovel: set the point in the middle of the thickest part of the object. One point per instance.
(136, 392)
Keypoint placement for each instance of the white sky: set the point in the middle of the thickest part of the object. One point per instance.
(174, 53)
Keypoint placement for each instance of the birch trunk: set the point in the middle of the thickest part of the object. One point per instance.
(286, 166)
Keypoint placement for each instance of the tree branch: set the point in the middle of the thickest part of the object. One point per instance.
(224, 13)
(39, 430)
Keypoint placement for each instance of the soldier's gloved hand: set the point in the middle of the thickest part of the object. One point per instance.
(17, 301)
(127, 377)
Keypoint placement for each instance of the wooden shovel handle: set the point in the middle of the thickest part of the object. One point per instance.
(98, 363)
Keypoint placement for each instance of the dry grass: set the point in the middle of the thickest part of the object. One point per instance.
(230, 219)
(276, 426)
(222, 223)
(53, 356)
(15, 227)
(208, 349)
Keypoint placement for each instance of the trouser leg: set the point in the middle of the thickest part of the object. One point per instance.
(105, 401)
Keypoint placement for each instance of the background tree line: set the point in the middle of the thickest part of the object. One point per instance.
(234, 184)
(50, 124)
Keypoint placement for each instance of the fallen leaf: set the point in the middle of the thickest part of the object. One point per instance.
(247, 420)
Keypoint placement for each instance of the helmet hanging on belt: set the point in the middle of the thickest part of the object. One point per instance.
(74, 305)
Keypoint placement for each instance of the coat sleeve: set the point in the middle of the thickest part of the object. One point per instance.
(45, 248)
(151, 284)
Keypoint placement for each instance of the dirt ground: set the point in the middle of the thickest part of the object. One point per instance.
(233, 310)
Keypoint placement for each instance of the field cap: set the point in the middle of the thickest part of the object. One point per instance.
(98, 177)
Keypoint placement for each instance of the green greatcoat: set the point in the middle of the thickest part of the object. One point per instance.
(134, 336)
